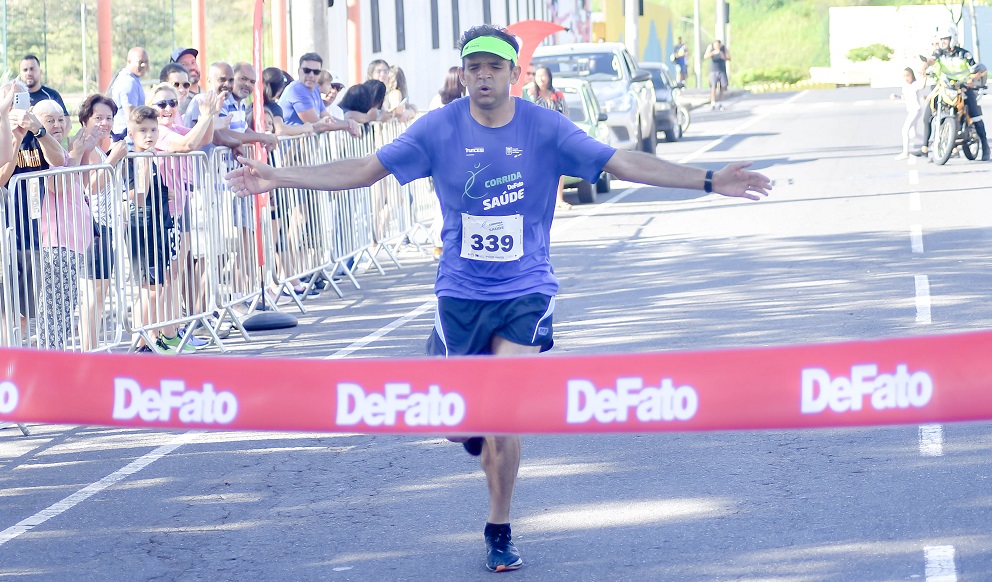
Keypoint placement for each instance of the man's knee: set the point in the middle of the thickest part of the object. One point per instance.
(501, 446)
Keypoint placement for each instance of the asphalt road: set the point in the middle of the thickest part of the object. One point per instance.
(851, 245)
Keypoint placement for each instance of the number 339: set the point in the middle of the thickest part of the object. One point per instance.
(492, 243)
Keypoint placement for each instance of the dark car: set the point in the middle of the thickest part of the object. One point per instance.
(667, 97)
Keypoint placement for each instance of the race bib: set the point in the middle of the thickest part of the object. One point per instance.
(492, 238)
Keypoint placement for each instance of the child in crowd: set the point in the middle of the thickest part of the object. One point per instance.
(150, 223)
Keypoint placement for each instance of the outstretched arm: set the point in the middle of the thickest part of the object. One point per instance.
(732, 180)
(256, 177)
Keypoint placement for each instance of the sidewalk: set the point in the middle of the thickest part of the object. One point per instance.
(695, 98)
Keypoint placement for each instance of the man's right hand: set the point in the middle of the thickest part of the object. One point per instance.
(251, 178)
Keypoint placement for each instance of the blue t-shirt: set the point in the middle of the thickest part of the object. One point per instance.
(126, 91)
(296, 98)
(492, 172)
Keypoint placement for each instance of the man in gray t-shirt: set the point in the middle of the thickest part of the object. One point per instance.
(126, 90)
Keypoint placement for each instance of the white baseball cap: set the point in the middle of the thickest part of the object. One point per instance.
(336, 79)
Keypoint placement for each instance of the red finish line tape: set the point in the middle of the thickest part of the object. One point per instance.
(894, 381)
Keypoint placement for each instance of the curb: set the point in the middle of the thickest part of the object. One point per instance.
(782, 87)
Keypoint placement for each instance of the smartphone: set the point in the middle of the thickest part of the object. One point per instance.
(400, 104)
(22, 101)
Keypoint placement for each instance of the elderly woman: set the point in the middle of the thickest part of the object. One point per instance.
(66, 231)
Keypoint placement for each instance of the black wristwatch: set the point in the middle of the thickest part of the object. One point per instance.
(41, 133)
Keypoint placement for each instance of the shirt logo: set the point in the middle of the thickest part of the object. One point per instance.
(511, 151)
(471, 181)
(473, 151)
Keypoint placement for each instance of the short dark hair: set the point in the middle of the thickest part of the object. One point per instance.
(169, 69)
(357, 98)
(311, 57)
(377, 89)
(141, 114)
(86, 109)
(487, 30)
(31, 57)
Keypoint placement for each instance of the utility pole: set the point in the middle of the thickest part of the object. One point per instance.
(698, 49)
(632, 9)
(974, 35)
(721, 20)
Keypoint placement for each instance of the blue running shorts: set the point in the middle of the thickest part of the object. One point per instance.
(465, 327)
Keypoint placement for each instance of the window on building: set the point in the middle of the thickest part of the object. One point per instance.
(456, 28)
(435, 28)
(376, 38)
(400, 27)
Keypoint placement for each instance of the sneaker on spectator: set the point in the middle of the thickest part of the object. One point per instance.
(171, 345)
(193, 341)
(501, 554)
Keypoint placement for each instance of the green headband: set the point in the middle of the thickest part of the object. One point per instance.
(492, 45)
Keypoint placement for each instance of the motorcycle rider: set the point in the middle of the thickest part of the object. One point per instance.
(954, 62)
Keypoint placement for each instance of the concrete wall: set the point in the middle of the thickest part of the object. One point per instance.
(909, 30)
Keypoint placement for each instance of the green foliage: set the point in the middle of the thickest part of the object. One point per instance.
(53, 31)
(873, 51)
(770, 75)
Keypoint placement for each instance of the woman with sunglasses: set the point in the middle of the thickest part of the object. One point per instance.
(173, 136)
(178, 175)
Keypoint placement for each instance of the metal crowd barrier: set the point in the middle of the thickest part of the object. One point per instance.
(63, 227)
(96, 258)
(169, 241)
(241, 279)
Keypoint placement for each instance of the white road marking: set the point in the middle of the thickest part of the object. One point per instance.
(864, 103)
(737, 130)
(911, 160)
(382, 331)
(914, 201)
(940, 564)
(27, 524)
(914, 177)
(916, 238)
(932, 440)
(922, 299)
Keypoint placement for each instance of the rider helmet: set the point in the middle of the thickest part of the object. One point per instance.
(948, 31)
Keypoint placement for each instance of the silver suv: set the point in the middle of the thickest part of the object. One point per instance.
(625, 92)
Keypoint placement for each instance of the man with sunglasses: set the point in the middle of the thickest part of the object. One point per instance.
(495, 285)
(186, 57)
(126, 90)
(301, 101)
(177, 76)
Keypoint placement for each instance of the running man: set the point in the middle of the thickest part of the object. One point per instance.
(493, 156)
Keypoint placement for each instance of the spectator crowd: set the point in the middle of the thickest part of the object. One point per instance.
(66, 224)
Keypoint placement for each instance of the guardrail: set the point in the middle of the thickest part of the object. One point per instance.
(137, 257)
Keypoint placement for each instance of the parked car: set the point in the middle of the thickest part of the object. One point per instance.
(585, 112)
(667, 100)
(625, 92)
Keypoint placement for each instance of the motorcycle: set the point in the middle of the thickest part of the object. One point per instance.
(952, 126)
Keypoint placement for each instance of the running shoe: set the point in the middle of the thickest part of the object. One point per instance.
(170, 345)
(501, 554)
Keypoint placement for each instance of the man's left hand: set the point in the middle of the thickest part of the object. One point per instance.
(734, 181)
